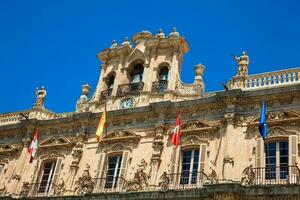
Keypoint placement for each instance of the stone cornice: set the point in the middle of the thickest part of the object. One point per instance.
(165, 106)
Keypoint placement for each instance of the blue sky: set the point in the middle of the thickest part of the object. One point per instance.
(54, 43)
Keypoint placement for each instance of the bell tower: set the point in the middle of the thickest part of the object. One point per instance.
(145, 71)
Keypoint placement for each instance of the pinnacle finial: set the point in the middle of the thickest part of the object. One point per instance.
(126, 42)
(160, 33)
(113, 44)
(174, 32)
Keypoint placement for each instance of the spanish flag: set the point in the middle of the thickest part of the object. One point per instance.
(101, 126)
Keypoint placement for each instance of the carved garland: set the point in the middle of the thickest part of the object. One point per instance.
(7, 149)
(276, 117)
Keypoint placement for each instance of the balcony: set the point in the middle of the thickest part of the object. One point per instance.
(260, 178)
(131, 88)
(159, 86)
(264, 176)
(105, 94)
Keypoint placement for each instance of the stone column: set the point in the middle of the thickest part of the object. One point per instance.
(19, 171)
(157, 150)
(228, 170)
(174, 70)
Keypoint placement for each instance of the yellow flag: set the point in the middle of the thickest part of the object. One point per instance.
(101, 126)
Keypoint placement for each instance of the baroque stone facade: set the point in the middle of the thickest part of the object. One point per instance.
(221, 155)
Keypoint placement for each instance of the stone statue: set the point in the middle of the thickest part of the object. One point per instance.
(85, 185)
(140, 180)
(25, 189)
(243, 62)
(59, 189)
(82, 103)
(164, 181)
(40, 94)
(248, 176)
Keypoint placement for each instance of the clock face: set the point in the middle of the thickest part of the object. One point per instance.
(127, 103)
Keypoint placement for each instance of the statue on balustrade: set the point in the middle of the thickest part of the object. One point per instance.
(40, 94)
(243, 62)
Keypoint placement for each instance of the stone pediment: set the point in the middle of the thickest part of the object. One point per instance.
(7, 149)
(197, 126)
(55, 142)
(277, 116)
(119, 135)
(279, 131)
(193, 140)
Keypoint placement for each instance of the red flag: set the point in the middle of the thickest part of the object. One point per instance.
(176, 132)
(33, 147)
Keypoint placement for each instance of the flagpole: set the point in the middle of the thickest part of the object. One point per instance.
(105, 134)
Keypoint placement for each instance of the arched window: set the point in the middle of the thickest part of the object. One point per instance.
(137, 73)
(164, 73)
(162, 84)
(110, 81)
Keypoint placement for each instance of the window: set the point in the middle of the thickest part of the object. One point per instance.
(110, 82)
(164, 73)
(47, 176)
(137, 73)
(277, 160)
(189, 167)
(113, 171)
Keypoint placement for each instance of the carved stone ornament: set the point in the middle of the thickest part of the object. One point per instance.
(85, 185)
(164, 181)
(188, 89)
(140, 180)
(77, 153)
(120, 135)
(7, 149)
(55, 142)
(192, 125)
(2, 190)
(228, 160)
(40, 94)
(212, 177)
(277, 116)
(59, 189)
(25, 189)
(248, 176)
(197, 127)
(82, 104)
(191, 140)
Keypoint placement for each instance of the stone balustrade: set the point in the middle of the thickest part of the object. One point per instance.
(271, 79)
(10, 118)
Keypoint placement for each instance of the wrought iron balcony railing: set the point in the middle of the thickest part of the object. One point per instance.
(283, 175)
(186, 180)
(131, 88)
(106, 93)
(109, 184)
(41, 189)
(159, 86)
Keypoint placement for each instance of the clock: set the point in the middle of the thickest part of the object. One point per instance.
(127, 103)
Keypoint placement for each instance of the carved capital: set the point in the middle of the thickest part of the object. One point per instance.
(26, 141)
